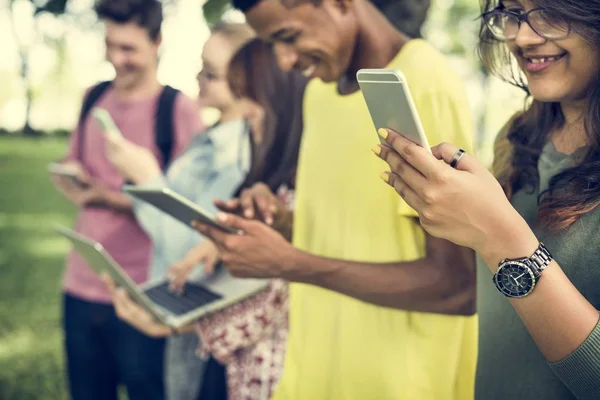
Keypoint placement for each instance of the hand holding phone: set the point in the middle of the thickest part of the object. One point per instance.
(390, 104)
(106, 121)
(69, 171)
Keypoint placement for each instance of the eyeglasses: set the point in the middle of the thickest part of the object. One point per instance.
(504, 24)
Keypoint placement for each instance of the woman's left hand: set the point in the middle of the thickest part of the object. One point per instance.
(135, 163)
(465, 205)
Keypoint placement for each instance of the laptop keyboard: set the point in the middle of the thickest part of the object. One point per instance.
(193, 297)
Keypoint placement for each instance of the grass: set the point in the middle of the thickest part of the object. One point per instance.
(31, 266)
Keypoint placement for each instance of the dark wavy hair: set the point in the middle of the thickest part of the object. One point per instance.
(575, 191)
(147, 14)
(253, 73)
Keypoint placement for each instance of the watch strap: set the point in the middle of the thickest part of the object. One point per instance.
(539, 260)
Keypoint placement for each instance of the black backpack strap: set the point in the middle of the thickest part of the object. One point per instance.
(165, 125)
(88, 102)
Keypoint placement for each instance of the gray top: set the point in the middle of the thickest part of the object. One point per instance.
(510, 366)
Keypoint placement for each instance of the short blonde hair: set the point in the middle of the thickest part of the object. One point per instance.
(237, 33)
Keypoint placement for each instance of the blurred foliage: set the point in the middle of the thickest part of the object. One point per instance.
(213, 10)
(453, 25)
(406, 15)
(55, 7)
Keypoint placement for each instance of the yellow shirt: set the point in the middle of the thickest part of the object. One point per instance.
(340, 348)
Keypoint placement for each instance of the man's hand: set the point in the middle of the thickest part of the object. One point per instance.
(86, 192)
(71, 188)
(257, 202)
(205, 253)
(81, 175)
(260, 252)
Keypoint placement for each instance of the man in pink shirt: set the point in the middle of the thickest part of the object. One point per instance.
(103, 352)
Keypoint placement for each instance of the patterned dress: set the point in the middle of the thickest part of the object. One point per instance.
(250, 337)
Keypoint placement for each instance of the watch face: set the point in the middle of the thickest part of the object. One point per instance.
(514, 279)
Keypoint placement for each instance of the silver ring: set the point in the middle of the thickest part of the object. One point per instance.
(456, 159)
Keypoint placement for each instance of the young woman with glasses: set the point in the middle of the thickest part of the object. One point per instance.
(536, 225)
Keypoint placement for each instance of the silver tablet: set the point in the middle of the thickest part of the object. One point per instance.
(176, 206)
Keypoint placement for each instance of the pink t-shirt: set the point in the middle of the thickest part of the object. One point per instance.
(118, 232)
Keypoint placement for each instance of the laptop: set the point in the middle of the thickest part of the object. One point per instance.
(215, 292)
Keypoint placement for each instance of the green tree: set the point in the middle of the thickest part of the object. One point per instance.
(40, 7)
(213, 10)
(453, 27)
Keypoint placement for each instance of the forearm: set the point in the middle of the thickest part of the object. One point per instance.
(556, 314)
(558, 317)
(116, 201)
(432, 284)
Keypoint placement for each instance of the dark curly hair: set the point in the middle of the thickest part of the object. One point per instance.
(575, 191)
(148, 14)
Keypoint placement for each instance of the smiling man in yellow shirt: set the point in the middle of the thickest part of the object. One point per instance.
(380, 309)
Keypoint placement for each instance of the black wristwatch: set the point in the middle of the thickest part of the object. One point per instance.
(517, 277)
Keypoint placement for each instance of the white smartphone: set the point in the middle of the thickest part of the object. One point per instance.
(65, 172)
(390, 104)
(60, 169)
(106, 121)
(176, 206)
